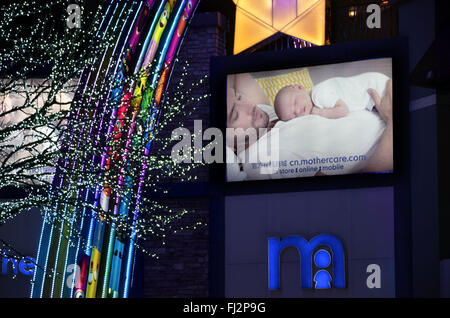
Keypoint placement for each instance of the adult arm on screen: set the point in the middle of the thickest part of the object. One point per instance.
(383, 159)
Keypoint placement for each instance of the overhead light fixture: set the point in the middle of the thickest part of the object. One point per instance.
(352, 12)
(257, 20)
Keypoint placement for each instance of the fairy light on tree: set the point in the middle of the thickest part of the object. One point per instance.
(55, 113)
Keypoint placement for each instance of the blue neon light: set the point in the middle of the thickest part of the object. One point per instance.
(322, 259)
(306, 249)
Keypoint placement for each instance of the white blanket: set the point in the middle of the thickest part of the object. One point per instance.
(352, 90)
(320, 142)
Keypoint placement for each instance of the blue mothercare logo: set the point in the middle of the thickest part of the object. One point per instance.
(325, 251)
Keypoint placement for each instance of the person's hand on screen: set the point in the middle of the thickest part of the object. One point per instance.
(383, 105)
(319, 174)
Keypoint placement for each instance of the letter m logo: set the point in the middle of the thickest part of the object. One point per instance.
(306, 250)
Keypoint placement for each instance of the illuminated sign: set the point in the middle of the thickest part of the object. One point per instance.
(257, 20)
(26, 266)
(324, 251)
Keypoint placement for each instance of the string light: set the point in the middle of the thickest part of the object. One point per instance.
(75, 135)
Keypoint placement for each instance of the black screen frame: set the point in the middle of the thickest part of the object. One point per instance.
(221, 67)
(399, 179)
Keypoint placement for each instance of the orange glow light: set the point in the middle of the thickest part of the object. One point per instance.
(352, 12)
(257, 20)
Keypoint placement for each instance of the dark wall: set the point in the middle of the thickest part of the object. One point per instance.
(354, 28)
(443, 102)
(181, 266)
(362, 219)
(424, 202)
(417, 21)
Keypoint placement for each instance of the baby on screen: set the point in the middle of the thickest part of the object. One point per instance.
(333, 98)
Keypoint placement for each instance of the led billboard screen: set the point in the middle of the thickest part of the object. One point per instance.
(332, 119)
